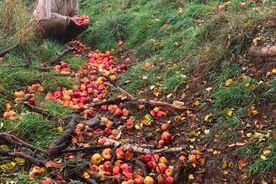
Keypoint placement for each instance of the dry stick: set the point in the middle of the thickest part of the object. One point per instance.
(56, 60)
(63, 140)
(15, 140)
(178, 170)
(5, 51)
(87, 149)
(263, 51)
(28, 165)
(139, 149)
(25, 156)
(121, 90)
(163, 104)
(142, 101)
(132, 99)
(38, 110)
(14, 66)
(111, 101)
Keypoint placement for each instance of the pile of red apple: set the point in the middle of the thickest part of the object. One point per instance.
(125, 172)
(81, 20)
(91, 88)
(78, 48)
(63, 68)
(100, 68)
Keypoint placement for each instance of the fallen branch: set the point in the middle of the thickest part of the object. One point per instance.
(139, 149)
(111, 101)
(63, 140)
(88, 149)
(38, 110)
(56, 60)
(142, 101)
(121, 90)
(268, 51)
(16, 141)
(25, 156)
(178, 171)
(163, 104)
(5, 51)
(134, 100)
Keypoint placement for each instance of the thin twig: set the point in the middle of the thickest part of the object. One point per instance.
(88, 149)
(38, 110)
(121, 90)
(15, 140)
(25, 156)
(56, 60)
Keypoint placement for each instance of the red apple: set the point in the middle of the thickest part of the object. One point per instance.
(32, 101)
(148, 180)
(139, 180)
(116, 170)
(125, 112)
(130, 123)
(118, 112)
(161, 167)
(46, 181)
(163, 160)
(169, 172)
(151, 165)
(96, 159)
(107, 166)
(147, 158)
(94, 168)
(165, 126)
(160, 114)
(161, 179)
(169, 180)
(166, 136)
(107, 153)
(120, 155)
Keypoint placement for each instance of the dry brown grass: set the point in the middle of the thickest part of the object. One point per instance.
(16, 25)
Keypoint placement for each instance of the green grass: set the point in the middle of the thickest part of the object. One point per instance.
(260, 166)
(144, 77)
(159, 33)
(174, 42)
(35, 129)
(56, 109)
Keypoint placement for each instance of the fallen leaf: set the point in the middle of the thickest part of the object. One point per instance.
(152, 87)
(191, 177)
(208, 117)
(19, 161)
(274, 71)
(8, 166)
(179, 10)
(224, 165)
(228, 82)
(207, 131)
(196, 103)
(266, 152)
(263, 157)
(229, 112)
(59, 129)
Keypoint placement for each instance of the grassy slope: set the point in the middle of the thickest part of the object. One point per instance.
(171, 38)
